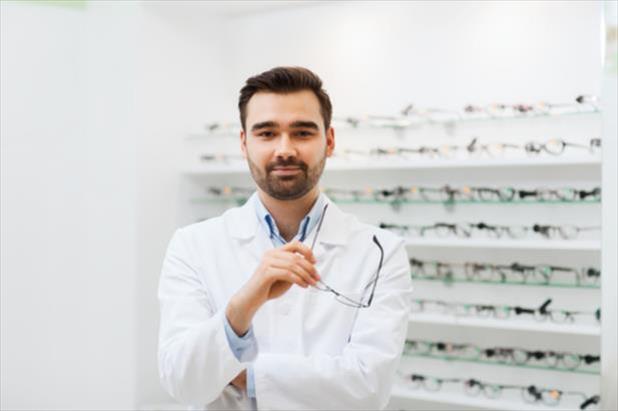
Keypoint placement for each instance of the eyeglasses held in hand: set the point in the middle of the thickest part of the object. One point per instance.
(370, 287)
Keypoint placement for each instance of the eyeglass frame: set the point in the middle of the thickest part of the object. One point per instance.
(339, 296)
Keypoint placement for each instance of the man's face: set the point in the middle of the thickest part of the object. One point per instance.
(285, 143)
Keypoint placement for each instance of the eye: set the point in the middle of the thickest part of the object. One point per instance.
(305, 133)
(266, 134)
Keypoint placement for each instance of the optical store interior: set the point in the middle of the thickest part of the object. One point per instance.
(483, 133)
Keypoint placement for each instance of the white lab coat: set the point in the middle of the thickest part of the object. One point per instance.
(314, 352)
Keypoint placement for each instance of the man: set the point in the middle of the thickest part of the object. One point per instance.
(285, 302)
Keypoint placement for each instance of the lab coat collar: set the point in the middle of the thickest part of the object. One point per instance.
(244, 224)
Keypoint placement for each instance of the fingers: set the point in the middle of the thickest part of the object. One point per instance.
(297, 246)
(288, 276)
(297, 265)
(298, 259)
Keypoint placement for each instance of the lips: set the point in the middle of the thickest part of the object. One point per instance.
(286, 170)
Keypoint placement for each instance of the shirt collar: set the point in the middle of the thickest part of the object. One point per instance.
(306, 225)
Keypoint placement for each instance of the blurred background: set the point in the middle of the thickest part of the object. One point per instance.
(101, 103)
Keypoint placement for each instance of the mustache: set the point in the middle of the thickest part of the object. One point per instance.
(287, 163)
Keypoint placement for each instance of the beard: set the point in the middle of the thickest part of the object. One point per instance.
(287, 187)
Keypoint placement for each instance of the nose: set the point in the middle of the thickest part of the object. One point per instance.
(285, 149)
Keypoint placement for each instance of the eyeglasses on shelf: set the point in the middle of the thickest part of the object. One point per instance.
(468, 230)
(220, 158)
(514, 273)
(474, 387)
(557, 146)
(473, 149)
(501, 312)
(440, 194)
(412, 115)
(500, 355)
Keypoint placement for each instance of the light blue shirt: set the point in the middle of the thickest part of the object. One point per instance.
(245, 348)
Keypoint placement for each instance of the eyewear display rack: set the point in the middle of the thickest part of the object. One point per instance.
(575, 168)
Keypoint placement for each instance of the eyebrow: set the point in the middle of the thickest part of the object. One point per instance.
(304, 124)
(296, 124)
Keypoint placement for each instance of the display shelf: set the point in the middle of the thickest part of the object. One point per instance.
(240, 200)
(357, 168)
(507, 324)
(401, 392)
(558, 245)
(372, 164)
(506, 283)
(504, 364)
(456, 202)
(403, 123)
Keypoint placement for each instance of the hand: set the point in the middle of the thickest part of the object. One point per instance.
(278, 270)
(240, 381)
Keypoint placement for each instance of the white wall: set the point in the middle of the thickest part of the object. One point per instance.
(378, 58)
(179, 84)
(68, 208)
(95, 103)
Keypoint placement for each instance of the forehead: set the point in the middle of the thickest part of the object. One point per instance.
(283, 108)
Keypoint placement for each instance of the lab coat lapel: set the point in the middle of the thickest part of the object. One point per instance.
(334, 232)
(243, 226)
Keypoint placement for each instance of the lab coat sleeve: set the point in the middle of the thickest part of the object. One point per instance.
(195, 359)
(362, 376)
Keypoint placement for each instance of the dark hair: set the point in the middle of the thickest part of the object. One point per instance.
(285, 80)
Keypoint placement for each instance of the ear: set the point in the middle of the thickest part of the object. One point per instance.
(243, 143)
(330, 141)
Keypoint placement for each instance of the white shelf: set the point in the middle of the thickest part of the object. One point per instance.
(401, 392)
(507, 324)
(171, 406)
(414, 164)
(575, 245)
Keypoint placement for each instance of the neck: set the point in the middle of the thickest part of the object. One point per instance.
(289, 213)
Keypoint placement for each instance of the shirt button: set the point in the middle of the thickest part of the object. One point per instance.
(284, 308)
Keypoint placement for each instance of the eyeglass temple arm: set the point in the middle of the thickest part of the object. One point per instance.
(375, 282)
(317, 230)
(543, 307)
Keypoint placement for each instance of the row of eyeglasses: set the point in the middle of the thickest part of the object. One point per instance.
(442, 194)
(467, 230)
(502, 355)
(473, 149)
(412, 115)
(474, 387)
(514, 273)
(448, 194)
(502, 312)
